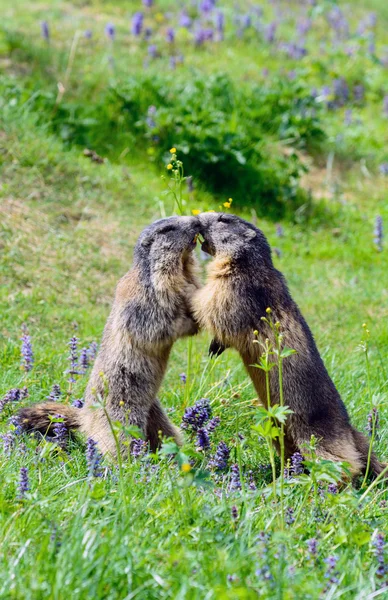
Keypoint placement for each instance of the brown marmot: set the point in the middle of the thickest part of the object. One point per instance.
(150, 312)
(242, 283)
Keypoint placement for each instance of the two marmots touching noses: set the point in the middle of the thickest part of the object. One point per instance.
(160, 300)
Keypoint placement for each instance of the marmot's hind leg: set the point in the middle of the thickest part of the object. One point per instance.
(353, 448)
(159, 425)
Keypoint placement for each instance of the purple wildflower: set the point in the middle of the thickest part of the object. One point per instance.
(220, 24)
(92, 351)
(79, 403)
(73, 358)
(221, 457)
(45, 31)
(341, 91)
(110, 31)
(332, 488)
(234, 512)
(251, 481)
(150, 121)
(293, 50)
(383, 168)
(60, 431)
(235, 482)
(93, 458)
(338, 22)
(55, 393)
(172, 62)
(206, 6)
(378, 233)
(196, 416)
(13, 395)
(212, 424)
(359, 93)
(264, 572)
(297, 464)
(138, 447)
(170, 35)
(137, 23)
(88, 34)
(279, 231)
(26, 352)
(8, 442)
(312, 546)
(185, 20)
(203, 441)
(16, 426)
(24, 484)
(373, 422)
(290, 519)
(379, 546)
(348, 120)
(153, 51)
(148, 3)
(303, 26)
(270, 32)
(147, 33)
(84, 360)
(331, 574)
(183, 377)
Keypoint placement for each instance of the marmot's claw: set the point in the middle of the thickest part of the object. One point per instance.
(216, 348)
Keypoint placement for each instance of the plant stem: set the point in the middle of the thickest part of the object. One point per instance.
(372, 439)
(269, 440)
(281, 438)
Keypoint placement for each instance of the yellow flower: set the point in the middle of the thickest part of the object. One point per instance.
(173, 150)
(186, 468)
(169, 167)
(227, 204)
(364, 324)
(121, 402)
(195, 211)
(255, 332)
(268, 310)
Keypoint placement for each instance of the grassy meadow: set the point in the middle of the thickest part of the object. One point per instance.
(282, 106)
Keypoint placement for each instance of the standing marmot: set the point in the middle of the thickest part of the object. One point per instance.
(242, 283)
(150, 312)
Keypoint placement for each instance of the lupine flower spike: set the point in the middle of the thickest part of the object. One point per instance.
(73, 358)
(235, 482)
(221, 457)
(24, 484)
(26, 352)
(60, 432)
(93, 459)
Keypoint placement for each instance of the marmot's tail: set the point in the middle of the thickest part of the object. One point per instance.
(39, 417)
(362, 445)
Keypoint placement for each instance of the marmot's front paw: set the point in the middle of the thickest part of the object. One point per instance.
(216, 348)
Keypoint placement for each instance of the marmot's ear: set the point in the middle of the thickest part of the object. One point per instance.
(249, 234)
(147, 240)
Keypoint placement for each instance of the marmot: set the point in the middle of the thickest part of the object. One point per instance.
(242, 283)
(150, 312)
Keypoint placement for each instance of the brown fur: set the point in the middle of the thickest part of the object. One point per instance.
(149, 313)
(242, 283)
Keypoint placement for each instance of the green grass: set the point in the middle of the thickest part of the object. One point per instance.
(67, 230)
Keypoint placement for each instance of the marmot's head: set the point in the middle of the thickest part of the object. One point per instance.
(228, 235)
(173, 236)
